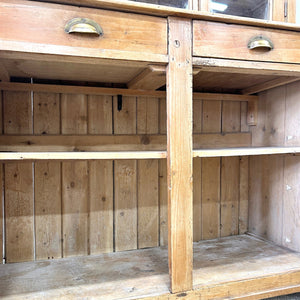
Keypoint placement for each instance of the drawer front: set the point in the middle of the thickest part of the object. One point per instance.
(219, 40)
(44, 24)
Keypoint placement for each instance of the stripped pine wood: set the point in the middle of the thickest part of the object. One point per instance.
(163, 185)
(74, 180)
(47, 187)
(17, 112)
(125, 180)
(278, 11)
(271, 120)
(1, 212)
(231, 116)
(292, 116)
(147, 171)
(230, 196)
(47, 181)
(18, 194)
(210, 198)
(291, 205)
(266, 197)
(197, 203)
(244, 124)
(46, 108)
(179, 161)
(211, 120)
(243, 194)
(101, 221)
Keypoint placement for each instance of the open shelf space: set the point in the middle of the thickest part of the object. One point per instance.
(144, 273)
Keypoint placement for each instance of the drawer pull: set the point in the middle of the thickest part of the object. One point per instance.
(83, 25)
(260, 42)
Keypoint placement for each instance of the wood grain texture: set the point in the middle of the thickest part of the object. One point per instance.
(1, 212)
(47, 194)
(278, 10)
(19, 222)
(266, 197)
(125, 180)
(101, 213)
(179, 147)
(127, 29)
(231, 116)
(244, 125)
(211, 119)
(230, 196)
(219, 40)
(147, 182)
(243, 194)
(291, 205)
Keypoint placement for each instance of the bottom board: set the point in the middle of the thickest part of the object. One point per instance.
(220, 267)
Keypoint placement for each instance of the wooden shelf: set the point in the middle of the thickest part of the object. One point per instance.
(220, 265)
(82, 155)
(245, 151)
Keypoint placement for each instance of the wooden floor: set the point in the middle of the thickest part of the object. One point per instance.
(144, 273)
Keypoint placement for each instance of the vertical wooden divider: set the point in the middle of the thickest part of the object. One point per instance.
(125, 180)
(47, 181)
(100, 179)
(19, 218)
(180, 156)
(147, 123)
(75, 202)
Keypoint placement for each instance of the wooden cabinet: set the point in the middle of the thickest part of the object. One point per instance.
(164, 131)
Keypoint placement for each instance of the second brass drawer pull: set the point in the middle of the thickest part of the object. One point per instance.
(83, 25)
(260, 42)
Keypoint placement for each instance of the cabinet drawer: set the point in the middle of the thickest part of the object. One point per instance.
(125, 35)
(219, 40)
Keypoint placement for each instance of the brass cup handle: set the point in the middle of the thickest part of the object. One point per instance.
(260, 42)
(83, 25)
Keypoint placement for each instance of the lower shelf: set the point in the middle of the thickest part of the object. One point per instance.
(227, 267)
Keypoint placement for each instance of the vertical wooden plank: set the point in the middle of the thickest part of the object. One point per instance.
(266, 196)
(244, 124)
(229, 196)
(73, 114)
(197, 201)
(75, 208)
(270, 129)
(180, 162)
(163, 185)
(47, 181)
(163, 203)
(46, 113)
(100, 179)
(244, 194)
(278, 10)
(1, 114)
(211, 118)
(291, 13)
(48, 210)
(19, 212)
(125, 179)
(210, 198)
(291, 203)
(19, 222)
(17, 112)
(292, 115)
(75, 204)
(231, 120)
(147, 123)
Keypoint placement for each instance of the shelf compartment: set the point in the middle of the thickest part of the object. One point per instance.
(223, 266)
(245, 151)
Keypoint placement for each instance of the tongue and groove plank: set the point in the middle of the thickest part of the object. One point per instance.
(147, 170)
(231, 122)
(125, 180)
(100, 179)
(75, 202)
(47, 176)
(19, 211)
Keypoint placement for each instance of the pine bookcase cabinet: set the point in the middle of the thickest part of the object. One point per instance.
(148, 152)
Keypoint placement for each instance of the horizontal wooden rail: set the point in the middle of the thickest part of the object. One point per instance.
(29, 143)
(82, 155)
(245, 151)
(70, 89)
